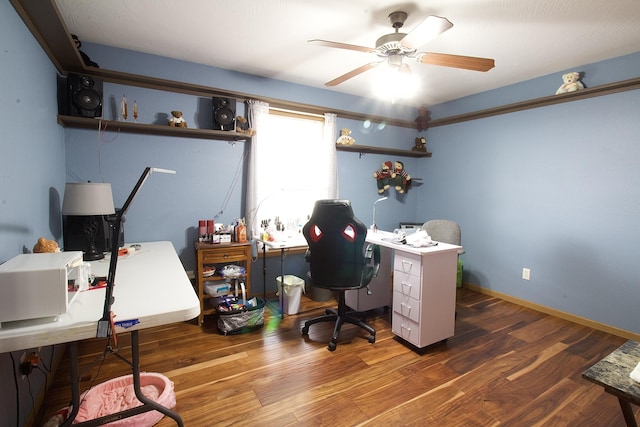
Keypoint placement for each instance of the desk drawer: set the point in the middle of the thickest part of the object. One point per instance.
(408, 263)
(406, 306)
(405, 328)
(408, 285)
(223, 255)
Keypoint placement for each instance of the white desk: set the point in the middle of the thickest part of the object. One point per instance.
(151, 289)
(424, 290)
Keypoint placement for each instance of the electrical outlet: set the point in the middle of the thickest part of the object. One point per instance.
(526, 273)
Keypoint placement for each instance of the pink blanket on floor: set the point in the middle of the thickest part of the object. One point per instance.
(117, 395)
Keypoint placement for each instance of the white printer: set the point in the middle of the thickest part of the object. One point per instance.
(41, 285)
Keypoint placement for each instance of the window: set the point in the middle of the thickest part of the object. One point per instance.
(292, 164)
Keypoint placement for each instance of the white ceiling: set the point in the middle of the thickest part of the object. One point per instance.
(527, 38)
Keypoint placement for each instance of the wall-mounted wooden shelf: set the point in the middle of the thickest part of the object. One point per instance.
(364, 149)
(43, 19)
(148, 129)
(606, 89)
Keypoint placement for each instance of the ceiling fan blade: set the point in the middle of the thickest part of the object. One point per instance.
(426, 31)
(339, 45)
(352, 73)
(456, 61)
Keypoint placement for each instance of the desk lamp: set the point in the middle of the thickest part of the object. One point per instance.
(90, 200)
(374, 227)
(104, 324)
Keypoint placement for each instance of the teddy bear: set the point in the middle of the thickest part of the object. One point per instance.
(242, 126)
(400, 177)
(571, 83)
(44, 246)
(177, 120)
(420, 144)
(383, 177)
(345, 137)
(422, 121)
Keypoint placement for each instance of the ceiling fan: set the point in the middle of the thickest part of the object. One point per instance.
(395, 46)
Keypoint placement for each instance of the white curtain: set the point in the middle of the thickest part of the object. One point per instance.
(258, 114)
(292, 163)
(330, 133)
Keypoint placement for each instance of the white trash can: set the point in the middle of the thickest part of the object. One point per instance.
(293, 289)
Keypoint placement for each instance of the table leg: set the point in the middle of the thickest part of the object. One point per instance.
(136, 384)
(75, 383)
(627, 412)
(264, 273)
(282, 283)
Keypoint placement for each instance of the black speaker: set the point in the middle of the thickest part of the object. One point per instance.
(75, 237)
(224, 113)
(79, 95)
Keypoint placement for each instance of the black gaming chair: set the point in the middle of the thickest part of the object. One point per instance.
(339, 260)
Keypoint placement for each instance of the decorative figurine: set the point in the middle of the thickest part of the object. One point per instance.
(424, 116)
(401, 179)
(345, 137)
(177, 120)
(571, 83)
(45, 246)
(123, 108)
(242, 126)
(420, 144)
(383, 177)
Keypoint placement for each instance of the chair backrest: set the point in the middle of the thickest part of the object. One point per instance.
(336, 240)
(443, 230)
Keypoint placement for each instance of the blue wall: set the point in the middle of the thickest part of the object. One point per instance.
(32, 177)
(553, 189)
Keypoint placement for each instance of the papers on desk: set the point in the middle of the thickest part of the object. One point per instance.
(418, 239)
(635, 374)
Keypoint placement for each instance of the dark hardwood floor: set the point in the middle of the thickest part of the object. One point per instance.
(505, 366)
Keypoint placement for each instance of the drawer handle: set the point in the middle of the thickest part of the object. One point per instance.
(408, 285)
(406, 266)
(407, 306)
(225, 256)
(405, 327)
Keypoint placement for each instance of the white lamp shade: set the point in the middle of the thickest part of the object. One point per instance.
(87, 198)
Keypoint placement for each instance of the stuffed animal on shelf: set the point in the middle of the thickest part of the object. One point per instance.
(400, 177)
(45, 246)
(571, 83)
(242, 126)
(424, 116)
(420, 144)
(177, 120)
(345, 137)
(383, 177)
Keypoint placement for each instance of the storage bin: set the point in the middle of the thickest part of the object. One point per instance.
(240, 321)
(293, 289)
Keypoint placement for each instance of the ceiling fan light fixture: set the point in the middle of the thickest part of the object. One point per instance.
(395, 82)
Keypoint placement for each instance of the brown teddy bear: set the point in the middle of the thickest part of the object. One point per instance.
(242, 126)
(45, 246)
(423, 119)
(420, 144)
(177, 120)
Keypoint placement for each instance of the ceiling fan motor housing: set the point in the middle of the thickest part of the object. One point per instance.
(390, 44)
